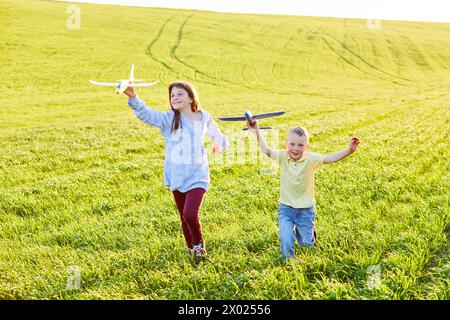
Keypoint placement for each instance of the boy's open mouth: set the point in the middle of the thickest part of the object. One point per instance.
(295, 154)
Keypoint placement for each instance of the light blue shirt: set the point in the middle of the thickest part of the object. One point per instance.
(186, 161)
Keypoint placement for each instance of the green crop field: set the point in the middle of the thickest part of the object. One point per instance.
(84, 213)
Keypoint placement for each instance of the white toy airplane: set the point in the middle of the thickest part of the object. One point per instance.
(123, 84)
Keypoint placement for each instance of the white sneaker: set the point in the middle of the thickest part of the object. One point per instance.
(199, 252)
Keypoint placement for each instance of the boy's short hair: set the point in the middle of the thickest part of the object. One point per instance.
(300, 131)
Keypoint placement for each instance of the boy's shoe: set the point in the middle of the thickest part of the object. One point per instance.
(189, 251)
(315, 234)
(199, 252)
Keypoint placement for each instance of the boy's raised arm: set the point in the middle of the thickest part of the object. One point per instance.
(262, 142)
(337, 156)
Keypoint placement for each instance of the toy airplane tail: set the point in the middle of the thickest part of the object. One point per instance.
(132, 79)
(132, 73)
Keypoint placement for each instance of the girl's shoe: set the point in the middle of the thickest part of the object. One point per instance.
(199, 252)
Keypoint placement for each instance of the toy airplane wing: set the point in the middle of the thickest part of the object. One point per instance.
(232, 118)
(257, 116)
(104, 84)
(143, 84)
(263, 127)
(269, 115)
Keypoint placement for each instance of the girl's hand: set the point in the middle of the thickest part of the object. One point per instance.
(254, 128)
(353, 145)
(216, 149)
(129, 91)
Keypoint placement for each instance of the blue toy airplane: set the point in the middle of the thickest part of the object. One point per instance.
(251, 118)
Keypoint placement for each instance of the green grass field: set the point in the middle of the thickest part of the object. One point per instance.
(81, 178)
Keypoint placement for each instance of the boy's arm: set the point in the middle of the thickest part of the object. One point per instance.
(262, 142)
(337, 156)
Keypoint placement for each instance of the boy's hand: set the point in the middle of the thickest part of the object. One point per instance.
(254, 128)
(353, 145)
(129, 91)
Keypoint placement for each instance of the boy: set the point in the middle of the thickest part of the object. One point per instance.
(297, 167)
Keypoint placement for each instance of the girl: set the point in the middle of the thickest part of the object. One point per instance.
(186, 170)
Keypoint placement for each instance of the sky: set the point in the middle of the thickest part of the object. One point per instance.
(405, 10)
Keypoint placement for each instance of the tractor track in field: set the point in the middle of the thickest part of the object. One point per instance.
(149, 49)
(419, 57)
(332, 49)
(248, 68)
(215, 80)
(173, 55)
(323, 35)
(443, 60)
(276, 64)
(277, 73)
(399, 108)
(394, 52)
(344, 46)
(228, 83)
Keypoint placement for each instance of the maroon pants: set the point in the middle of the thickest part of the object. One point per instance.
(188, 205)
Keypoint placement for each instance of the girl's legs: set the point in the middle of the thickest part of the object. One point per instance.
(180, 199)
(188, 204)
(191, 216)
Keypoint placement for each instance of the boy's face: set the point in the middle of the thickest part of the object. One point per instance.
(179, 99)
(296, 146)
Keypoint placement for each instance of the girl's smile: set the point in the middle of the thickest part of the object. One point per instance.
(179, 99)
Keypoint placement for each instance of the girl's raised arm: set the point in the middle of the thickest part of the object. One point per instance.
(145, 114)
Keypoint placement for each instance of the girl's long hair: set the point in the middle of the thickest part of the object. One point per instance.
(192, 92)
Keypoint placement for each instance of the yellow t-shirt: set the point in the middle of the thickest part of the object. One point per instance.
(297, 178)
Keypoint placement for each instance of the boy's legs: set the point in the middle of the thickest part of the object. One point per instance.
(286, 224)
(304, 226)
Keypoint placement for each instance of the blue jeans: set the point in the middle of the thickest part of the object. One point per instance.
(303, 221)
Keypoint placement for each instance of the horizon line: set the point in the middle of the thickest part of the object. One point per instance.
(337, 16)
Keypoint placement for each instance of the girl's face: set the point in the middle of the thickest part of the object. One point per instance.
(296, 146)
(179, 99)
